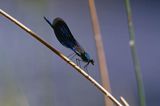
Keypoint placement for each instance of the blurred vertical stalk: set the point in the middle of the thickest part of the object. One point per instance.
(134, 55)
(100, 51)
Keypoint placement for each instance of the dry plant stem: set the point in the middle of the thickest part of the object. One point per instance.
(124, 101)
(100, 51)
(34, 35)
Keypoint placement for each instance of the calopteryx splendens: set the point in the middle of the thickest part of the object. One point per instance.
(66, 38)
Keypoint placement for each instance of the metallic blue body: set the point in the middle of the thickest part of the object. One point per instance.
(66, 38)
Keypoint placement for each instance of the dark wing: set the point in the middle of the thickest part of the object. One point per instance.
(64, 35)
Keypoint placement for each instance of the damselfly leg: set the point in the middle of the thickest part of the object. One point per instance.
(78, 62)
(71, 56)
(85, 67)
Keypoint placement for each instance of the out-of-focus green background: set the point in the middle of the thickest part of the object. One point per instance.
(31, 75)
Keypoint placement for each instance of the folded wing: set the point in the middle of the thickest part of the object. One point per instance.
(65, 36)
